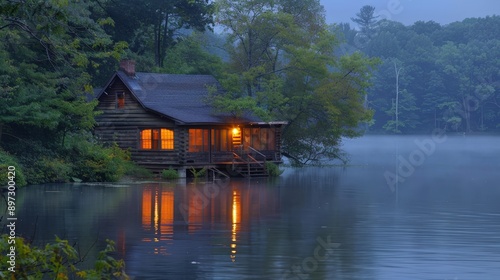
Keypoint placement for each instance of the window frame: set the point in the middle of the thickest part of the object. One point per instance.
(260, 138)
(120, 100)
(156, 140)
(200, 143)
(221, 139)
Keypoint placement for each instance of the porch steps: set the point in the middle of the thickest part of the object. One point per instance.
(252, 170)
(250, 163)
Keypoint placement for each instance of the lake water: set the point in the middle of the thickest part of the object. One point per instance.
(441, 220)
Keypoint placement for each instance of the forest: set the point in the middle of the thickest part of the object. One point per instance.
(278, 59)
(448, 75)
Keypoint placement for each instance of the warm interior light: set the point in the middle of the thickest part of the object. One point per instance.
(236, 131)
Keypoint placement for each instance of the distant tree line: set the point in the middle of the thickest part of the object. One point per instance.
(449, 75)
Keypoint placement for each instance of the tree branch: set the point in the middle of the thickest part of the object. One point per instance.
(24, 27)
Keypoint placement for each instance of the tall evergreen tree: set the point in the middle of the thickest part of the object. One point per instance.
(367, 23)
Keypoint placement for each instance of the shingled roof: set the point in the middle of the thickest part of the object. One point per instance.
(179, 97)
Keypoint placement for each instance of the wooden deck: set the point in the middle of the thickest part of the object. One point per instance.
(247, 163)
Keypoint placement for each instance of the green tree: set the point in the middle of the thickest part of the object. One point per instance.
(155, 26)
(451, 72)
(49, 51)
(286, 77)
(407, 112)
(190, 56)
(426, 27)
(48, 48)
(367, 23)
(471, 72)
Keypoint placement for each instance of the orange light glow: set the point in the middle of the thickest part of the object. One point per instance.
(155, 215)
(167, 207)
(146, 140)
(236, 208)
(146, 208)
(236, 219)
(236, 136)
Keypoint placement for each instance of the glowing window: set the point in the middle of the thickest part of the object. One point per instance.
(157, 139)
(120, 100)
(146, 139)
(198, 140)
(167, 139)
(220, 140)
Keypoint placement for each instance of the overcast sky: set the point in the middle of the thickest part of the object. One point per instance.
(409, 11)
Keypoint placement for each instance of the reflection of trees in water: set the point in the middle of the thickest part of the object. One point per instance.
(73, 212)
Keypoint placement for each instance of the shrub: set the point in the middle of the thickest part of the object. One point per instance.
(56, 261)
(81, 157)
(96, 163)
(170, 174)
(51, 170)
(138, 171)
(273, 169)
(7, 160)
(198, 173)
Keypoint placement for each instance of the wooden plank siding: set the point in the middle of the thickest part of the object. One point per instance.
(123, 125)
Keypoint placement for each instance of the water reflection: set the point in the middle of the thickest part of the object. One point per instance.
(158, 215)
(159, 205)
(188, 225)
(236, 218)
(444, 226)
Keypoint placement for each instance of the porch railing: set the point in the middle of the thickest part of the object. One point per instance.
(255, 155)
(249, 156)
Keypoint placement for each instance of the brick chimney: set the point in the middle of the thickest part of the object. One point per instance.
(128, 66)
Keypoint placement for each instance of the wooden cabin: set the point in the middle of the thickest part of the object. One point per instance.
(165, 121)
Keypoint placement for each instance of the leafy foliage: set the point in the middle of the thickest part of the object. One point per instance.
(58, 260)
(96, 163)
(189, 56)
(277, 74)
(273, 169)
(7, 160)
(170, 174)
(367, 22)
(198, 173)
(49, 51)
(154, 27)
(450, 75)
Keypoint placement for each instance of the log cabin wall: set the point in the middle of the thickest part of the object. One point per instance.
(123, 125)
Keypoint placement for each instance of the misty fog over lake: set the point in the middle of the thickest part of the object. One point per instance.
(443, 222)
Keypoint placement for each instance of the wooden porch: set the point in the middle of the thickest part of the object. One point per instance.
(243, 161)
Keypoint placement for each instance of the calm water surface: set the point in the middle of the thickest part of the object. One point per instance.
(440, 221)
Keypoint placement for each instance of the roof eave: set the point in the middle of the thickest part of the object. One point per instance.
(232, 123)
(271, 123)
(103, 90)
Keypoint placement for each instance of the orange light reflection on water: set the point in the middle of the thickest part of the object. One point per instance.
(236, 220)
